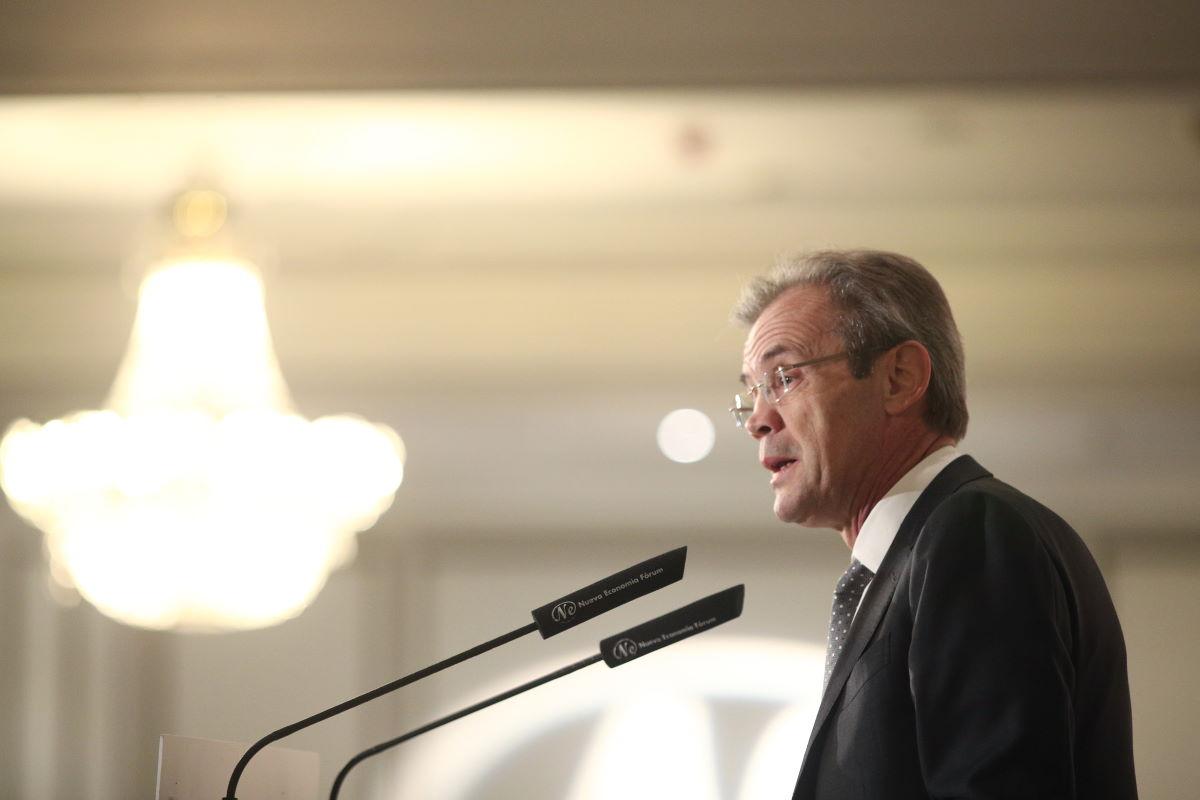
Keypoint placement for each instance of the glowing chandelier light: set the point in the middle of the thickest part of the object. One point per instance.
(198, 499)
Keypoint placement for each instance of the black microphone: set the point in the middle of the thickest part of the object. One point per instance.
(549, 620)
(697, 617)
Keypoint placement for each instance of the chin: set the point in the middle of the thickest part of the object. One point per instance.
(797, 514)
(786, 512)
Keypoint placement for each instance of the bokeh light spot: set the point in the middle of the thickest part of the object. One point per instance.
(686, 435)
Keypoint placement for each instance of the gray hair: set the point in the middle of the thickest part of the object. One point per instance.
(881, 300)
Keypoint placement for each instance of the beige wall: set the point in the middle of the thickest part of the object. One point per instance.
(1157, 589)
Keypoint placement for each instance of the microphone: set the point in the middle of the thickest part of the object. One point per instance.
(549, 620)
(615, 651)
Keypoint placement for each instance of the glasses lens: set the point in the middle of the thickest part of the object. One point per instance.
(781, 383)
(741, 411)
(770, 387)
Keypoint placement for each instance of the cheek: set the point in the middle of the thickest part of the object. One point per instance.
(837, 430)
(817, 436)
(818, 423)
(860, 427)
(805, 426)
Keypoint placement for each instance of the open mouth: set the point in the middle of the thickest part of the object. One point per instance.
(780, 470)
(777, 465)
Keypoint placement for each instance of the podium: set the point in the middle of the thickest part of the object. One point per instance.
(198, 769)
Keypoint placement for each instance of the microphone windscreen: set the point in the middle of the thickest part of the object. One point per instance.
(605, 595)
(697, 617)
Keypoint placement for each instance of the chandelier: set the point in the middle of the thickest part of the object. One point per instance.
(198, 499)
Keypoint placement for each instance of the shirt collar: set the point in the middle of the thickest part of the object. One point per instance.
(883, 522)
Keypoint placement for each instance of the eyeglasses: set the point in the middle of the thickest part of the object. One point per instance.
(774, 385)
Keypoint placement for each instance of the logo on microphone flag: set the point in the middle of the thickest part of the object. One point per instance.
(563, 611)
(697, 617)
(625, 648)
(605, 595)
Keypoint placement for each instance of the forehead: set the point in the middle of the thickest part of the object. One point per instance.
(796, 324)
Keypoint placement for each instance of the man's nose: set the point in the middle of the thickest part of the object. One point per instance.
(764, 419)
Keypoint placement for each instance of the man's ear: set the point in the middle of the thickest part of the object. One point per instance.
(908, 368)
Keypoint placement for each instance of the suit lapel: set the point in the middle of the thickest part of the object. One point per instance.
(879, 594)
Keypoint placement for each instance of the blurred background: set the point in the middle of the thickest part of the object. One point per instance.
(512, 233)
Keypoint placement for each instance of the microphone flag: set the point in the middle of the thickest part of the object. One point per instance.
(708, 612)
(604, 595)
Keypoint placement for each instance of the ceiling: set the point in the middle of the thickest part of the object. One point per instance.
(523, 282)
(222, 45)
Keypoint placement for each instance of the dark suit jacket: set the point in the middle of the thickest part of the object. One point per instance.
(985, 661)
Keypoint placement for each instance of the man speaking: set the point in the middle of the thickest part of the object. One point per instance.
(973, 650)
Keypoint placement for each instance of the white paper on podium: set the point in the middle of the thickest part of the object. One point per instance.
(199, 769)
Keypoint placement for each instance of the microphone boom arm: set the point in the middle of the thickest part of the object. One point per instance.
(231, 793)
(491, 701)
(629, 645)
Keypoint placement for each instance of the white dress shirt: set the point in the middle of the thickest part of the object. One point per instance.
(882, 524)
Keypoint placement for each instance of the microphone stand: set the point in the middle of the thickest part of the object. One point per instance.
(231, 793)
(549, 620)
(633, 643)
(491, 701)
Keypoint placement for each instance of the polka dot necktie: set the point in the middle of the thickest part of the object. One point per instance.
(845, 602)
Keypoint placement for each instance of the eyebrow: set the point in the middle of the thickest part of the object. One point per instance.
(777, 350)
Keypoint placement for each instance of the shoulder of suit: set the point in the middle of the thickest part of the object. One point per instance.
(986, 508)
